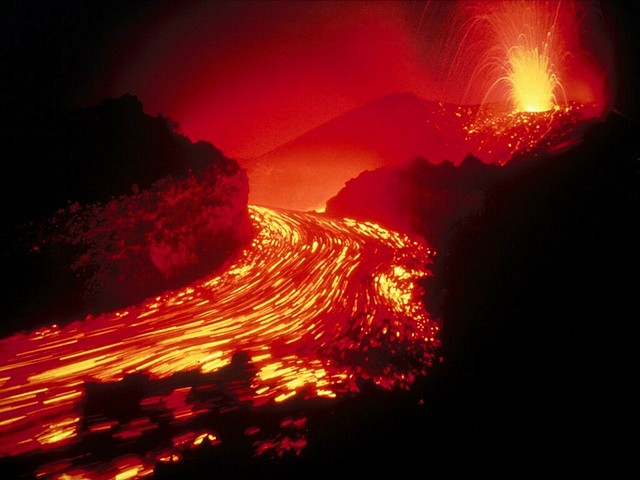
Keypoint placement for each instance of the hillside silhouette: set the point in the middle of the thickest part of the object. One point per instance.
(536, 287)
(418, 197)
(92, 154)
(390, 131)
(386, 131)
(108, 205)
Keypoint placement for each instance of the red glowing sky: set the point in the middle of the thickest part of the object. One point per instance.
(250, 76)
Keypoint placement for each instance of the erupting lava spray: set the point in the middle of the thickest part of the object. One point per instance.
(531, 79)
(528, 54)
(525, 56)
(527, 76)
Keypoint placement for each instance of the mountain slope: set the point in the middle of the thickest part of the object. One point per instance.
(398, 128)
(316, 165)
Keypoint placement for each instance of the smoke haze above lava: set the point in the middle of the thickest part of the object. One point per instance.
(251, 76)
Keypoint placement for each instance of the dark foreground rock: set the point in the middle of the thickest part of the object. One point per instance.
(537, 295)
(106, 206)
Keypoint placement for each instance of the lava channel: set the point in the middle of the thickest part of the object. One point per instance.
(315, 305)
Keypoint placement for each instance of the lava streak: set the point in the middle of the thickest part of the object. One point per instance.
(315, 304)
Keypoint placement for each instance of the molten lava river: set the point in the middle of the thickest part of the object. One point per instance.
(310, 309)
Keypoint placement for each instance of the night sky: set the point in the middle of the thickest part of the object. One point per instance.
(250, 76)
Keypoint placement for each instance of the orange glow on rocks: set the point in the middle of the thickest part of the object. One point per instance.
(313, 306)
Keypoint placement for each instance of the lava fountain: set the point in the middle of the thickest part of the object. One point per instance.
(528, 73)
(532, 80)
(528, 53)
(527, 56)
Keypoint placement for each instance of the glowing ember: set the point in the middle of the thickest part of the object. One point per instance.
(314, 305)
(501, 136)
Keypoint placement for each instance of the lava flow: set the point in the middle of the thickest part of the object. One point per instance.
(314, 305)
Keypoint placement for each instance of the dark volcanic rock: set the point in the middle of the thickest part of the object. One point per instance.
(537, 296)
(107, 206)
(418, 197)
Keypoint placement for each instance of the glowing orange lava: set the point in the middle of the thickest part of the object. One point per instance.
(315, 304)
(533, 82)
(529, 42)
(528, 55)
